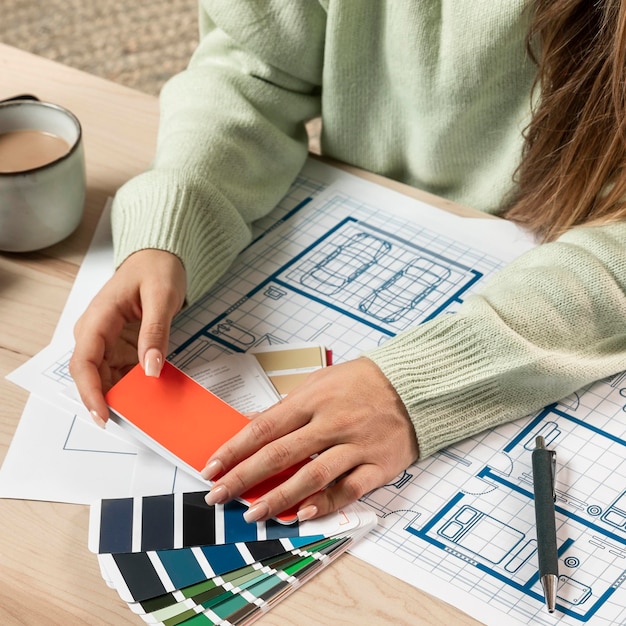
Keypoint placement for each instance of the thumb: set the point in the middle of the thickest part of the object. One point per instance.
(154, 332)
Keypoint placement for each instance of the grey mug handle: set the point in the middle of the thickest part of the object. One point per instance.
(25, 96)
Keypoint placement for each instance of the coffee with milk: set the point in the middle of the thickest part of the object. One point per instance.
(23, 150)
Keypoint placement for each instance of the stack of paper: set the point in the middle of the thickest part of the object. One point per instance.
(345, 263)
(176, 560)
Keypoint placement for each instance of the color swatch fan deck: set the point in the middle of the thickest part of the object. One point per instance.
(176, 560)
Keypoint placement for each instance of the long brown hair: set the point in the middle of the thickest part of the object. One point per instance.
(573, 169)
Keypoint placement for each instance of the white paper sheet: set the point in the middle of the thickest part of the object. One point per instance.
(460, 524)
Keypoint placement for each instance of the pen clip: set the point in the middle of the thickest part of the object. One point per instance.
(541, 445)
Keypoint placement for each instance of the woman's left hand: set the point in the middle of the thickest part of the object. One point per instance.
(348, 415)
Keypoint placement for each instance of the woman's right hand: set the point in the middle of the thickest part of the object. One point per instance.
(127, 322)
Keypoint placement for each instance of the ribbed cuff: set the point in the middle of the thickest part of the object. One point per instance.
(159, 209)
(469, 371)
(444, 378)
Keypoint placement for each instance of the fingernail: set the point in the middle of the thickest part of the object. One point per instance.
(308, 512)
(218, 495)
(211, 469)
(256, 512)
(97, 419)
(152, 363)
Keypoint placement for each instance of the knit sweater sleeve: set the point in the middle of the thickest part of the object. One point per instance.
(551, 322)
(231, 139)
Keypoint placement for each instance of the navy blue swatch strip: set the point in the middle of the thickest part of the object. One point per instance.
(116, 525)
(157, 523)
(224, 558)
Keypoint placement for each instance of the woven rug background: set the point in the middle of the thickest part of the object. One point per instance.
(138, 43)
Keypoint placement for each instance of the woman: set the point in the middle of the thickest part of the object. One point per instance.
(437, 95)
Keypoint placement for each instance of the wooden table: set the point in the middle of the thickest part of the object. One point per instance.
(47, 574)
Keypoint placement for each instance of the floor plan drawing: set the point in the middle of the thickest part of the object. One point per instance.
(465, 516)
(343, 266)
(357, 281)
(481, 521)
(329, 301)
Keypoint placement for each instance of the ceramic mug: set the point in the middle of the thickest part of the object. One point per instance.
(42, 174)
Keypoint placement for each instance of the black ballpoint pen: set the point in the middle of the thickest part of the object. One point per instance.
(544, 469)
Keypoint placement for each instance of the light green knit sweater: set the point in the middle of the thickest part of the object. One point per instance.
(434, 93)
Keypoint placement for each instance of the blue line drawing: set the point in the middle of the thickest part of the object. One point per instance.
(202, 350)
(454, 511)
(481, 534)
(572, 591)
(343, 277)
(615, 515)
(480, 530)
(401, 480)
(78, 440)
(404, 290)
(350, 276)
(60, 371)
(549, 431)
(232, 333)
(345, 263)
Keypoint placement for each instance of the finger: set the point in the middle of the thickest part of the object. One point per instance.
(159, 305)
(96, 334)
(267, 427)
(350, 488)
(317, 474)
(273, 461)
(85, 371)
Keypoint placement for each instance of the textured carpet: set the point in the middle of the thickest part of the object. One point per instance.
(139, 43)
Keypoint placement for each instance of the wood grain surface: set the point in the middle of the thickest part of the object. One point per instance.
(47, 574)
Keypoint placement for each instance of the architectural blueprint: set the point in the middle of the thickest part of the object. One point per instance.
(466, 516)
(340, 270)
(345, 264)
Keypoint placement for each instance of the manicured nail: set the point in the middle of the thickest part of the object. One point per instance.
(152, 363)
(212, 468)
(256, 512)
(218, 495)
(97, 419)
(308, 512)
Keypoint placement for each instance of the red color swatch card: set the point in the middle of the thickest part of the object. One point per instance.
(182, 421)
